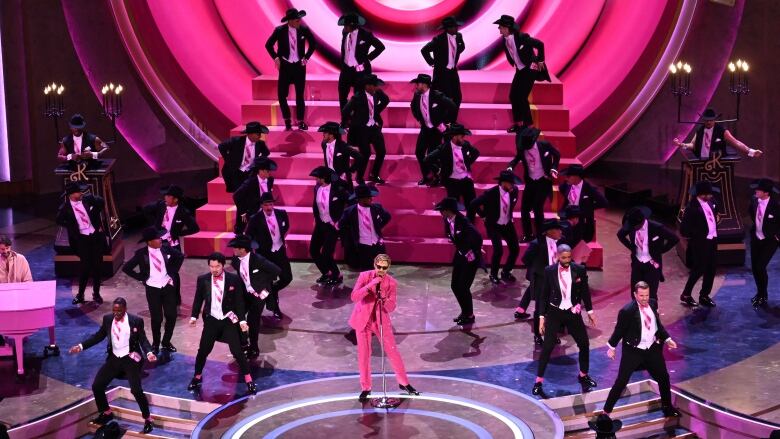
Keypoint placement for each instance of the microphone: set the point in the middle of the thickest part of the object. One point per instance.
(379, 296)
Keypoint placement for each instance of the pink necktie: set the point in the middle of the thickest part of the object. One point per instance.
(293, 42)
(706, 144)
(156, 262)
(645, 317)
(247, 156)
(425, 110)
(554, 252)
(263, 184)
(365, 219)
(245, 273)
(504, 205)
(329, 154)
(760, 216)
(573, 195)
(639, 239)
(452, 229)
(708, 214)
(271, 226)
(459, 162)
(216, 287)
(531, 159)
(452, 49)
(323, 198)
(117, 330)
(564, 285)
(370, 108)
(167, 217)
(79, 208)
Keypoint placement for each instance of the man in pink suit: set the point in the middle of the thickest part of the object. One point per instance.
(375, 292)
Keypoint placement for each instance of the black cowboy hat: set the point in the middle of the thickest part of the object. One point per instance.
(709, 114)
(242, 241)
(324, 172)
(506, 21)
(372, 79)
(551, 224)
(450, 204)
(293, 14)
(263, 163)
(351, 19)
(152, 232)
(72, 187)
(509, 176)
(331, 127)
(605, 424)
(764, 184)
(364, 191)
(574, 170)
(455, 129)
(703, 188)
(77, 122)
(267, 197)
(637, 215)
(422, 78)
(172, 190)
(569, 212)
(450, 22)
(527, 136)
(255, 128)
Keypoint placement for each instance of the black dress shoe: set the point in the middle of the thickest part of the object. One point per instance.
(761, 303)
(97, 299)
(168, 347)
(688, 301)
(195, 383)
(513, 129)
(322, 279)
(351, 336)
(377, 179)
(527, 238)
(671, 412)
(287, 125)
(148, 427)
(538, 340)
(335, 280)
(508, 277)
(302, 126)
(363, 397)
(156, 349)
(423, 182)
(77, 300)
(494, 280)
(278, 314)
(251, 387)
(538, 391)
(436, 182)
(706, 301)
(409, 389)
(465, 321)
(252, 352)
(587, 383)
(521, 315)
(557, 340)
(460, 316)
(103, 418)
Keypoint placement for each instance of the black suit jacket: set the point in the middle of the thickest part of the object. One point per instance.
(550, 156)
(525, 45)
(232, 296)
(281, 38)
(771, 224)
(171, 257)
(440, 108)
(488, 205)
(232, 151)
(629, 325)
(660, 241)
(247, 196)
(694, 223)
(466, 238)
(437, 51)
(67, 218)
(349, 223)
(183, 224)
(257, 229)
(356, 111)
(536, 258)
(363, 53)
(138, 341)
(262, 272)
(551, 290)
(341, 155)
(337, 202)
(443, 155)
(590, 200)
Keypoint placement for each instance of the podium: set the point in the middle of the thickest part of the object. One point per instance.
(99, 176)
(719, 170)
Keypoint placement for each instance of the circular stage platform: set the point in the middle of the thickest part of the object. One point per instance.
(328, 408)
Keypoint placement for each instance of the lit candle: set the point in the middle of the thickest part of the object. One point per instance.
(673, 78)
(687, 69)
(60, 91)
(48, 98)
(732, 68)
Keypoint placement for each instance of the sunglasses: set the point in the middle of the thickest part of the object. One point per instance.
(382, 267)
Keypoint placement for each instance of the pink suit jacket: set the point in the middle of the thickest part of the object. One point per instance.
(364, 299)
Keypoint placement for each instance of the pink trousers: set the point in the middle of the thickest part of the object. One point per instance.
(391, 352)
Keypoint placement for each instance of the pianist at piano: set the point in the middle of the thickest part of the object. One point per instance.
(13, 266)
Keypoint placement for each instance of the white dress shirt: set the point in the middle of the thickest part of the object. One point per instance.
(505, 214)
(552, 250)
(564, 282)
(534, 160)
(157, 278)
(217, 290)
(292, 37)
(761, 209)
(350, 44)
(323, 203)
(367, 233)
(641, 237)
(244, 272)
(82, 218)
(712, 226)
(452, 42)
(648, 335)
(120, 343)
(276, 232)
(458, 172)
(510, 45)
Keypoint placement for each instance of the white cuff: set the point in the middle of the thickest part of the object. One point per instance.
(751, 152)
(590, 312)
(668, 340)
(192, 319)
(69, 156)
(95, 155)
(81, 347)
(610, 346)
(242, 322)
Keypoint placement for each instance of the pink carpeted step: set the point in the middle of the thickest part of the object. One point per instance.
(402, 249)
(476, 86)
(404, 140)
(483, 116)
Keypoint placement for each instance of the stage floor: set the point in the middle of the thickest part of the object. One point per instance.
(725, 356)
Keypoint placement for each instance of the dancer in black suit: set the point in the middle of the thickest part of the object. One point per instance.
(443, 53)
(290, 57)
(329, 200)
(247, 197)
(168, 214)
(80, 145)
(643, 334)
(126, 348)
(358, 48)
(258, 275)
(268, 227)
(540, 164)
(221, 296)
(496, 206)
(363, 114)
(571, 225)
(239, 154)
(337, 153)
(564, 295)
(648, 241)
(467, 259)
(455, 158)
(764, 235)
(578, 192)
(712, 138)
(522, 51)
(82, 216)
(700, 226)
(158, 270)
(433, 110)
(361, 226)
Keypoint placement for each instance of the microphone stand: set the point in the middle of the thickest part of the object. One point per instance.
(383, 402)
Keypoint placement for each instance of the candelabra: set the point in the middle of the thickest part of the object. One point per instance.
(112, 103)
(54, 106)
(738, 80)
(680, 81)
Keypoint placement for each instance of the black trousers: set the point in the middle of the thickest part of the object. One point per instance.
(322, 247)
(366, 255)
(522, 83)
(163, 303)
(285, 277)
(213, 331)
(463, 273)
(761, 252)
(254, 307)
(349, 79)
(645, 272)
(113, 368)
(89, 249)
(631, 360)
(497, 233)
(448, 82)
(461, 189)
(295, 74)
(535, 194)
(588, 221)
(702, 257)
(427, 140)
(555, 319)
(532, 292)
(365, 137)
